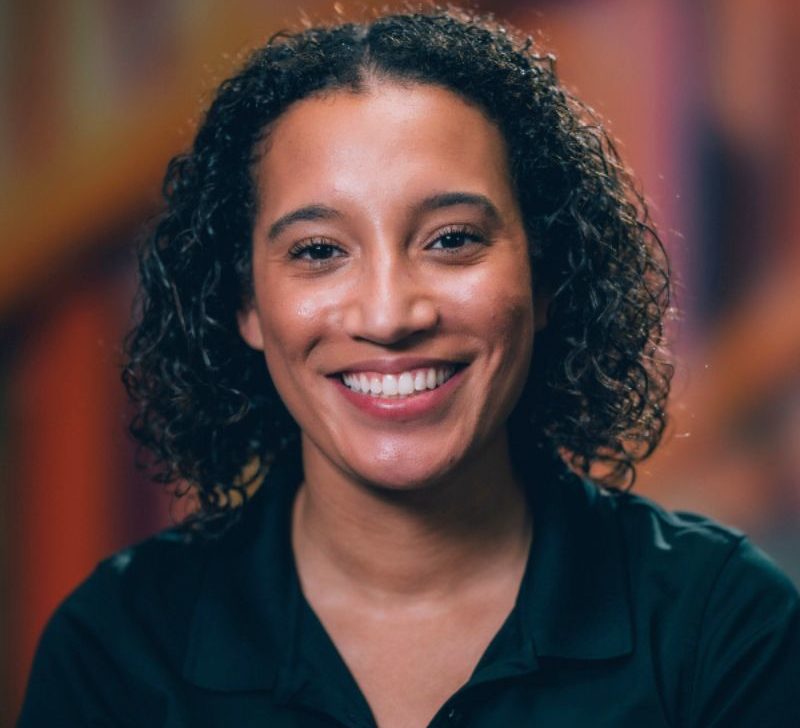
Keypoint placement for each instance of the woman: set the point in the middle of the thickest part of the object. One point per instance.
(459, 299)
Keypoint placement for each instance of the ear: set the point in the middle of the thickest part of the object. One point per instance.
(250, 327)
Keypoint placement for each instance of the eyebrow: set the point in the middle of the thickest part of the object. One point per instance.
(451, 199)
(429, 204)
(301, 214)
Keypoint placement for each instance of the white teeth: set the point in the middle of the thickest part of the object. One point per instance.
(405, 384)
(402, 385)
(389, 385)
(431, 378)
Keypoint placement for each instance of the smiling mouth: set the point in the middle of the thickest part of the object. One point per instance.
(403, 384)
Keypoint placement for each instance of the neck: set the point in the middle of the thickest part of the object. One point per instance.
(435, 541)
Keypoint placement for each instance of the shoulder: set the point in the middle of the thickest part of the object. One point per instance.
(153, 581)
(718, 617)
(123, 629)
(679, 549)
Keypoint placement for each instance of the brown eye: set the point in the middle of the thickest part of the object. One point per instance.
(455, 240)
(315, 251)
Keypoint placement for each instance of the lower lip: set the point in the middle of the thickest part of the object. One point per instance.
(401, 408)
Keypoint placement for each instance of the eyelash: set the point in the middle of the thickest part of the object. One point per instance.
(298, 251)
(463, 231)
(301, 249)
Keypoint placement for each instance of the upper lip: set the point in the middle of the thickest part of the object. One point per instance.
(396, 365)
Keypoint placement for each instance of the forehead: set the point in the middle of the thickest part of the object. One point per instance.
(389, 142)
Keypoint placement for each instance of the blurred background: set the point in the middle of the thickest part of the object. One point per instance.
(96, 95)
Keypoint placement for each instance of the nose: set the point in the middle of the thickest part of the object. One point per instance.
(391, 302)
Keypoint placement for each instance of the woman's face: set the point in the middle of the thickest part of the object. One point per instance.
(392, 281)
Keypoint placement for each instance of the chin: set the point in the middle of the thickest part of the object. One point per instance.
(401, 472)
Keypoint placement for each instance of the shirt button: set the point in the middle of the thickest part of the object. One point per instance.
(453, 716)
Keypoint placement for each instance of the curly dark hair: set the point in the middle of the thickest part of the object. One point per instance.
(596, 390)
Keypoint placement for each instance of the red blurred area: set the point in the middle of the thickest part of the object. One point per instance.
(97, 95)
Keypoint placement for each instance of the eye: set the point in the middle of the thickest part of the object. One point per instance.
(315, 251)
(455, 238)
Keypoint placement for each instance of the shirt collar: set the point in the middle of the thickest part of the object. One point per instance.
(573, 601)
(246, 610)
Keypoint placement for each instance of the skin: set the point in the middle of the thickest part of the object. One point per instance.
(408, 531)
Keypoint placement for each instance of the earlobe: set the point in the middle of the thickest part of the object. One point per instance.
(249, 327)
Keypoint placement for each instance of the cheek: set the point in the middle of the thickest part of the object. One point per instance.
(511, 358)
(283, 324)
(512, 324)
(498, 305)
(295, 316)
(512, 330)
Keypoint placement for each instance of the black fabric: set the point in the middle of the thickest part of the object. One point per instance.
(627, 616)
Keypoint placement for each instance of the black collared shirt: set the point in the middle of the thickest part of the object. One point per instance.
(626, 616)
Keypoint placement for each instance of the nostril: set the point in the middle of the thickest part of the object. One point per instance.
(388, 324)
